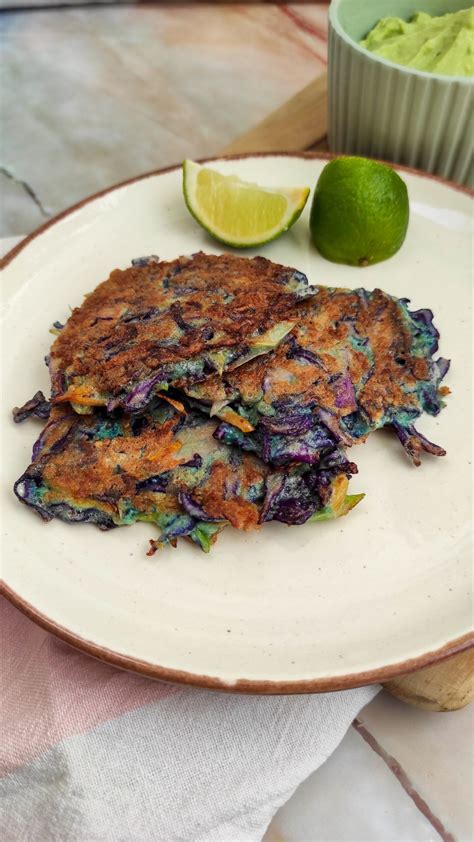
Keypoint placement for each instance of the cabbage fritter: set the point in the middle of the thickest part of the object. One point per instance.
(356, 361)
(155, 323)
(165, 467)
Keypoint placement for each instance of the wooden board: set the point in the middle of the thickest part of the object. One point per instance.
(446, 686)
(300, 124)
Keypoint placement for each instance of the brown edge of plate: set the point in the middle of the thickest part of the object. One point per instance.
(242, 685)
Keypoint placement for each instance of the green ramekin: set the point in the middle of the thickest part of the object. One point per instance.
(384, 110)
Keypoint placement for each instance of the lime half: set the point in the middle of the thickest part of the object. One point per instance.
(236, 212)
(360, 211)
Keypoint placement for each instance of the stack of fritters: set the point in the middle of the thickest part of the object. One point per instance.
(211, 390)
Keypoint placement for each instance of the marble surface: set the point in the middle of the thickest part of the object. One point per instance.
(436, 752)
(419, 787)
(352, 798)
(92, 96)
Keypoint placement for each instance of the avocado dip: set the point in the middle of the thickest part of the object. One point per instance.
(442, 44)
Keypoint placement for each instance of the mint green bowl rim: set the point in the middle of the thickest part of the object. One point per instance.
(408, 71)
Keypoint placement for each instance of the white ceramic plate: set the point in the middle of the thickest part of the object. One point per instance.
(317, 607)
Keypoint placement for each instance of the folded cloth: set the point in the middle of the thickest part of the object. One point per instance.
(90, 752)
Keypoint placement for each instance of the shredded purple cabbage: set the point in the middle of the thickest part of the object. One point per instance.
(414, 442)
(306, 448)
(27, 490)
(300, 280)
(288, 499)
(157, 483)
(138, 424)
(195, 509)
(345, 393)
(296, 351)
(232, 487)
(430, 400)
(195, 462)
(144, 316)
(145, 261)
(175, 311)
(39, 443)
(294, 495)
(281, 448)
(37, 406)
(332, 423)
(71, 515)
(337, 461)
(424, 318)
(138, 398)
(442, 367)
(181, 289)
(182, 525)
(291, 424)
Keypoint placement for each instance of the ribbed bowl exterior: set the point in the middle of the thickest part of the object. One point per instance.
(397, 115)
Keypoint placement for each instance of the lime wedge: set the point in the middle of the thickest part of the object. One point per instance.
(236, 212)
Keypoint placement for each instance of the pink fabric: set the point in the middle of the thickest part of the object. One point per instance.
(94, 754)
(78, 694)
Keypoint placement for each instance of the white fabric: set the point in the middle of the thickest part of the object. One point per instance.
(196, 766)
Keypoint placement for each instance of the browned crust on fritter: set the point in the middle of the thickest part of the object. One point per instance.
(110, 468)
(87, 471)
(324, 327)
(214, 498)
(108, 318)
(394, 361)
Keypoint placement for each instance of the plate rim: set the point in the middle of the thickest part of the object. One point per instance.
(267, 687)
(168, 674)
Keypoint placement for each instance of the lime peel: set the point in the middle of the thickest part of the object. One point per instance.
(239, 213)
(360, 211)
